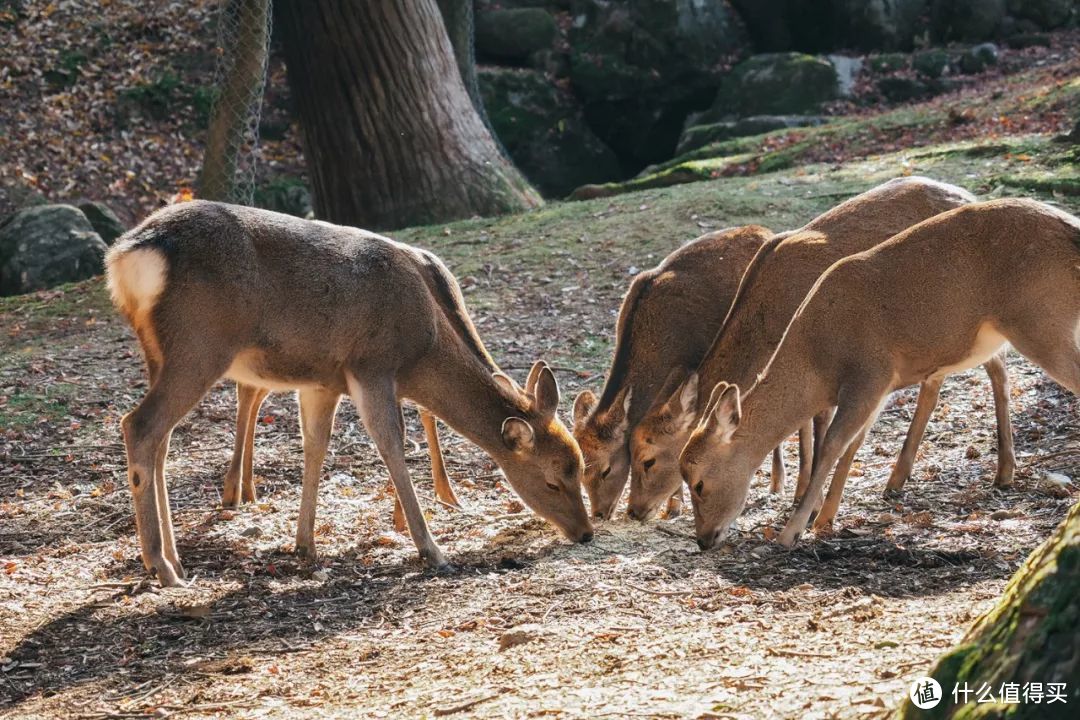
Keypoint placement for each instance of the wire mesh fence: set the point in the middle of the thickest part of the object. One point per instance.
(243, 40)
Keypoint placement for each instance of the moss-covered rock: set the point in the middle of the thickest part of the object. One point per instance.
(888, 62)
(877, 24)
(976, 59)
(931, 63)
(776, 84)
(542, 127)
(642, 67)
(826, 25)
(1047, 14)
(697, 136)
(103, 220)
(971, 20)
(514, 34)
(45, 246)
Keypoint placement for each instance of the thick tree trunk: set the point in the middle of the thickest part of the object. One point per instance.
(1031, 636)
(390, 135)
(457, 17)
(241, 87)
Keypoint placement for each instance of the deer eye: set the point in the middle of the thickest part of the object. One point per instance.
(607, 471)
(554, 487)
(649, 463)
(699, 487)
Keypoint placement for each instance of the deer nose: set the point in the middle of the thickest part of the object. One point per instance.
(633, 513)
(599, 515)
(586, 537)
(705, 542)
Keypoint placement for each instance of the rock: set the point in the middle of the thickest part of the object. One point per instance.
(320, 576)
(1000, 515)
(901, 89)
(877, 24)
(698, 136)
(1023, 40)
(931, 63)
(287, 195)
(544, 131)
(45, 246)
(966, 19)
(847, 69)
(514, 34)
(978, 58)
(888, 62)
(776, 84)
(641, 67)
(1046, 14)
(824, 25)
(103, 220)
(252, 532)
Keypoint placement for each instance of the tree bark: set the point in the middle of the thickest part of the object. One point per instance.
(1031, 636)
(390, 135)
(457, 17)
(242, 85)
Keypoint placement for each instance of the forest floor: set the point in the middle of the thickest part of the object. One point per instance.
(638, 623)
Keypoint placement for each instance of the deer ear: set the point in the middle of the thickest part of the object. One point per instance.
(517, 434)
(620, 407)
(534, 374)
(546, 393)
(506, 382)
(683, 403)
(724, 412)
(583, 406)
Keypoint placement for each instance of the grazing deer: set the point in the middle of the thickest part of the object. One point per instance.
(774, 284)
(668, 319)
(275, 302)
(938, 298)
(240, 479)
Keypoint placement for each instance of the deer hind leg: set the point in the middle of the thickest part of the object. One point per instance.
(248, 400)
(827, 514)
(778, 476)
(806, 459)
(317, 409)
(999, 381)
(175, 390)
(857, 409)
(929, 392)
(380, 411)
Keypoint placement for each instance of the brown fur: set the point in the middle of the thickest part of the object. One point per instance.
(937, 298)
(278, 302)
(666, 321)
(776, 281)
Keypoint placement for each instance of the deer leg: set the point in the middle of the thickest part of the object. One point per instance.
(825, 516)
(929, 392)
(380, 411)
(245, 397)
(674, 504)
(317, 409)
(806, 459)
(247, 477)
(176, 389)
(857, 409)
(999, 381)
(777, 478)
(443, 489)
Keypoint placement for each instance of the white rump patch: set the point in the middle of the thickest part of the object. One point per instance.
(136, 279)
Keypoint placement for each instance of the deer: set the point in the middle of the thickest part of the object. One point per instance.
(668, 318)
(941, 297)
(275, 302)
(239, 483)
(775, 282)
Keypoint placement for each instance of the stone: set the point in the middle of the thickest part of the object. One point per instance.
(972, 20)
(776, 84)
(45, 246)
(978, 58)
(520, 635)
(931, 63)
(543, 128)
(103, 220)
(901, 89)
(888, 62)
(847, 69)
(514, 34)
(1046, 14)
(697, 136)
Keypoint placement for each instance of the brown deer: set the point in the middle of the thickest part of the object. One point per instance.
(240, 479)
(938, 298)
(275, 302)
(668, 319)
(774, 284)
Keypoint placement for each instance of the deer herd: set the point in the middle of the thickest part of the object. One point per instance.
(733, 343)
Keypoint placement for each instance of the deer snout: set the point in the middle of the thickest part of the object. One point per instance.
(707, 540)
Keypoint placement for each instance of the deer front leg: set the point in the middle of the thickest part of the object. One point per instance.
(380, 412)
(929, 392)
(825, 517)
(317, 409)
(443, 489)
(248, 400)
(999, 381)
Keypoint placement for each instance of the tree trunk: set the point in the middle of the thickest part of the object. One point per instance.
(241, 89)
(1031, 636)
(457, 17)
(390, 135)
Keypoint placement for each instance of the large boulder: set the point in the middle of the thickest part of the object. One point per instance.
(776, 84)
(45, 246)
(877, 24)
(1047, 14)
(542, 128)
(697, 136)
(826, 25)
(966, 19)
(641, 67)
(514, 34)
(103, 220)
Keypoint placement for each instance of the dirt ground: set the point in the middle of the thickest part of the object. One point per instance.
(638, 623)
